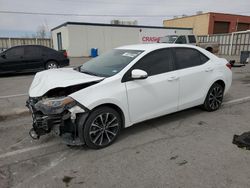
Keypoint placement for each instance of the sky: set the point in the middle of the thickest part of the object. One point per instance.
(14, 23)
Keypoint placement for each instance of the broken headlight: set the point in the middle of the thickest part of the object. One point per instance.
(55, 105)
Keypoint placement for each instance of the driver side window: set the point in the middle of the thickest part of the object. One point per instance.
(156, 62)
(15, 52)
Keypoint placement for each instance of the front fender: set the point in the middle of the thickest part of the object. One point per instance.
(106, 92)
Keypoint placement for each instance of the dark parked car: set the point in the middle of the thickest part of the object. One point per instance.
(29, 58)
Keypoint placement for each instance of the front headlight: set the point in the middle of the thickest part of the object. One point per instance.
(55, 105)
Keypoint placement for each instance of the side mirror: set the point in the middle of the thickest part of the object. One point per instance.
(139, 74)
(3, 56)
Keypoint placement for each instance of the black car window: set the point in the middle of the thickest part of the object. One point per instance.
(32, 51)
(204, 58)
(191, 39)
(181, 40)
(188, 57)
(18, 51)
(46, 50)
(156, 62)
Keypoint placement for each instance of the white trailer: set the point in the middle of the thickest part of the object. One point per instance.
(79, 38)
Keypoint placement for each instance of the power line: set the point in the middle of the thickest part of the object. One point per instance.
(80, 15)
(92, 15)
(110, 2)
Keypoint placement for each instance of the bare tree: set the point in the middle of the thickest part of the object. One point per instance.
(41, 32)
(46, 25)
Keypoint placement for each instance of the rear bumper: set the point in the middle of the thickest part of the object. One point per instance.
(228, 81)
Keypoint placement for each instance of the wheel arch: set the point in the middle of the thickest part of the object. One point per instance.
(48, 60)
(83, 118)
(115, 107)
(205, 104)
(219, 81)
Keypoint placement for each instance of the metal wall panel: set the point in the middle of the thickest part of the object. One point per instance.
(6, 43)
(230, 44)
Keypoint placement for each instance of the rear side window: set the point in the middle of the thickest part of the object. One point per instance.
(181, 40)
(19, 51)
(48, 50)
(156, 62)
(191, 39)
(188, 57)
(32, 51)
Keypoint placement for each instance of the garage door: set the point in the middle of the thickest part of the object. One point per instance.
(243, 26)
(221, 27)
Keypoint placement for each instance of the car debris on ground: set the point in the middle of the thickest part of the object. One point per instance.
(243, 140)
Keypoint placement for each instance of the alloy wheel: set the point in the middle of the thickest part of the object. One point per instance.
(104, 129)
(215, 98)
(51, 65)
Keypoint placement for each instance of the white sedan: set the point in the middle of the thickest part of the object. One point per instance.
(90, 104)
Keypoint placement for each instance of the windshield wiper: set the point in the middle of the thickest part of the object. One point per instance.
(77, 68)
(87, 72)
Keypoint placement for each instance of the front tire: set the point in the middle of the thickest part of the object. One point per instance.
(102, 127)
(214, 98)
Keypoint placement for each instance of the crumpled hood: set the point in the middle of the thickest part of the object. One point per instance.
(57, 78)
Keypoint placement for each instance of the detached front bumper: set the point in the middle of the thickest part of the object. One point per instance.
(68, 123)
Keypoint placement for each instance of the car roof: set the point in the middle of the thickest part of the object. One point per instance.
(154, 46)
(30, 45)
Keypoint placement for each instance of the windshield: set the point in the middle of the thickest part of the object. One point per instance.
(169, 39)
(109, 63)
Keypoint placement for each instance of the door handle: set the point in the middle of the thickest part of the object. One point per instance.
(172, 78)
(209, 69)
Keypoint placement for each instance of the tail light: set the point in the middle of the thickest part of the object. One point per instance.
(65, 54)
(229, 65)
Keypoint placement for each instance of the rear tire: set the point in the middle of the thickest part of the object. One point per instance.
(102, 127)
(51, 65)
(214, 98)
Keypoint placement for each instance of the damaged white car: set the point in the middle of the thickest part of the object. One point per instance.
(90, 104)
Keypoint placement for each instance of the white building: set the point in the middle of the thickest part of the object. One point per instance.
(124, 22)
(79, 38)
